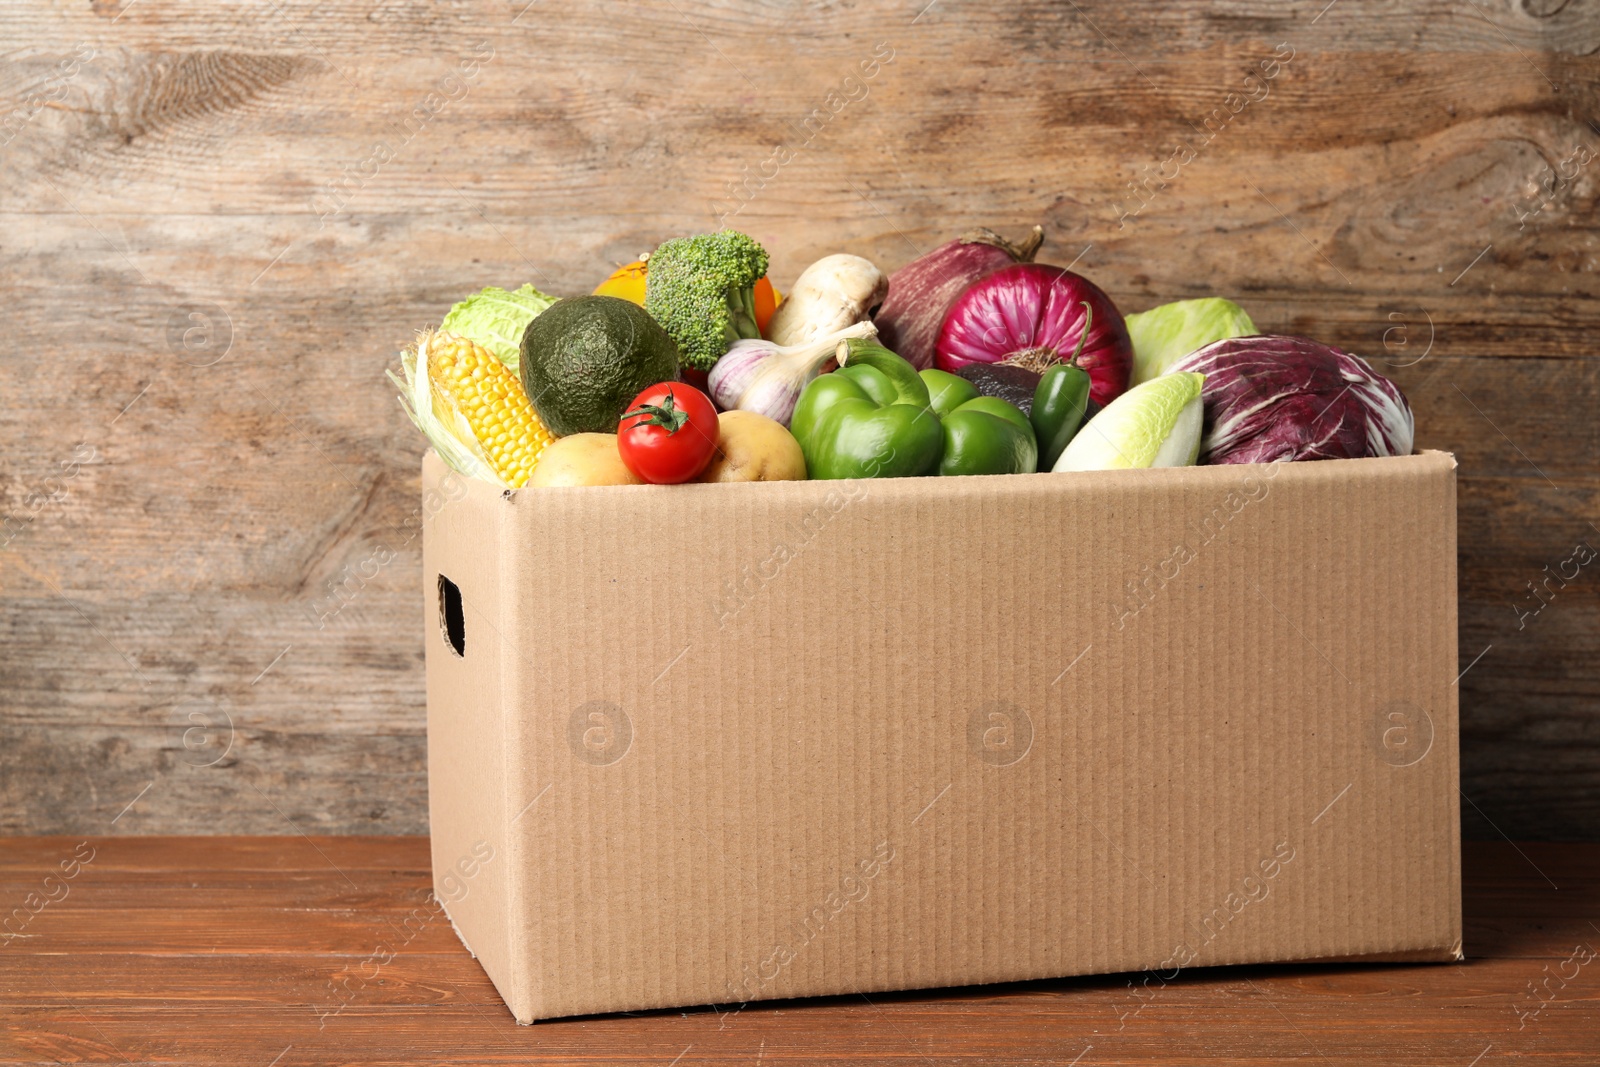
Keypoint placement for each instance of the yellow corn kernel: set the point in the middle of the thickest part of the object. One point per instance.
(471, 380)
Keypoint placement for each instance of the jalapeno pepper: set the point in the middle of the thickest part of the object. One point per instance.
(1059, 402)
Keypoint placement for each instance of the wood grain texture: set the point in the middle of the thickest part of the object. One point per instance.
(317, 180)
(228, 950)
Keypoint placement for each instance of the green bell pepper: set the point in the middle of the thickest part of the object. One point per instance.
(987, 435)
(947, 391)
(871, 418)
(877, 417)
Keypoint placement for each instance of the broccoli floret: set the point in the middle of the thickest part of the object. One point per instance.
(701, 290)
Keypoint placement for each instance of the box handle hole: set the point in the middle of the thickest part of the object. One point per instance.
(452, 621)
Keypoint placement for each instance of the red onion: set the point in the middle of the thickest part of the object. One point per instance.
(921, 292)
(1032, 314)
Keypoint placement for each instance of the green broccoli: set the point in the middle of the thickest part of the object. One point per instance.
(700, 289)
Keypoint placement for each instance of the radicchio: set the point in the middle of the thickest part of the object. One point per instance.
(1271, 398)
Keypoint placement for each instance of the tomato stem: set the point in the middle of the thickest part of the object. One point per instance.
(667, 414)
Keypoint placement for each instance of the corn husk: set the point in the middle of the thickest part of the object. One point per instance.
(446, 429)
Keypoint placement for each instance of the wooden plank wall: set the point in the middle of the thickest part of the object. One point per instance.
(219, 222)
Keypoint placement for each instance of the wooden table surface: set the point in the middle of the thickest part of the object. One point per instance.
(298, 950)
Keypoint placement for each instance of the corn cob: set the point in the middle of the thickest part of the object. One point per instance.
(479, 402)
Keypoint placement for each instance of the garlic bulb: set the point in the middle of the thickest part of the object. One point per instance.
(756, 375)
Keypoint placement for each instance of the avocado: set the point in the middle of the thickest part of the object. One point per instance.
(587, 357)
(1014, 385)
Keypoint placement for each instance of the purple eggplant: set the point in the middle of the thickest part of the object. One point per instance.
(922, 291)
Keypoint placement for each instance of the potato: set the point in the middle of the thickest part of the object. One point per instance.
(583, 459)
(753, 448)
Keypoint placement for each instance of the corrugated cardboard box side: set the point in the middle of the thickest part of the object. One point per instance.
(711, 744)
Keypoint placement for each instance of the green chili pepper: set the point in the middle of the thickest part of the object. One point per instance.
(1059, 401)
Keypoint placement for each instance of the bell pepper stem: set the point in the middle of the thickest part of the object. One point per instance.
(904, 377)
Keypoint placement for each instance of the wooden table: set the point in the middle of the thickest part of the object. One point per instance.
(232, 950)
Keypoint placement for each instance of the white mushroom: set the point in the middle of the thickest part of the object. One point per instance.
(834, 292)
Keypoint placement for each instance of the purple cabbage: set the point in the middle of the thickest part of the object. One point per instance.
(1271, 398)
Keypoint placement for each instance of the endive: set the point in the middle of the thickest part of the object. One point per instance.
(1156, 424)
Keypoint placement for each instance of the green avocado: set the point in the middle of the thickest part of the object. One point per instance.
(587, 357)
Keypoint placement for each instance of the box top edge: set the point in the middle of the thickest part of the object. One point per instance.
(435, 471)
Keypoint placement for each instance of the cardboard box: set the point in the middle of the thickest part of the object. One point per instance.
(718, 743)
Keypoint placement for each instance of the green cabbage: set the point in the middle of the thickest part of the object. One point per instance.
(495, 319)
(1163, 335)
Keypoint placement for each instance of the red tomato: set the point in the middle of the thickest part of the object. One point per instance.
(668, 433)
